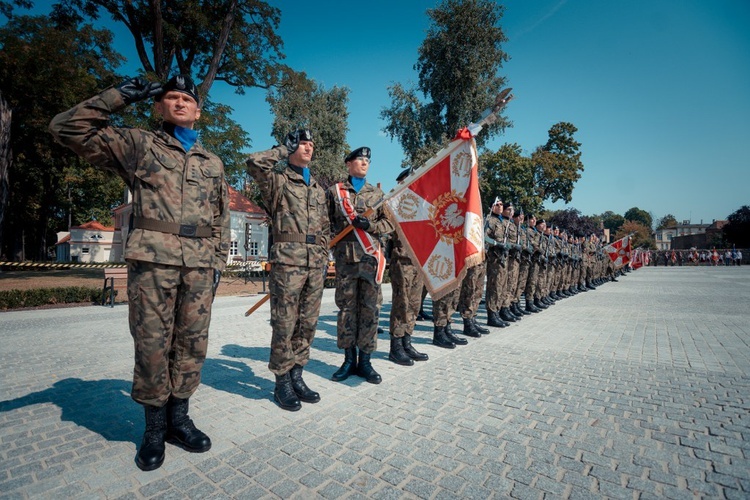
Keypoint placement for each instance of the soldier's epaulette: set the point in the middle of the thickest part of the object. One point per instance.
(280, 166)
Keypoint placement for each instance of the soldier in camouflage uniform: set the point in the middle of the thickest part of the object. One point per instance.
(296, 204)
(406, 286)
(532, 254)
(514, 263)
(357, 283)
(495, 239)
(177, 246)
(524, 262)
(469, 298)
(542, 264)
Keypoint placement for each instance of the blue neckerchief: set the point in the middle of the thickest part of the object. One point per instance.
(357, 182)
(303, 171)
(186, 136)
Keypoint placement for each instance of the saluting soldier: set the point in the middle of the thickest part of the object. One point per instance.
(360, 264)
(177, 246)
(296, 204)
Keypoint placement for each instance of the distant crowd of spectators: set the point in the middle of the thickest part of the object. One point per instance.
(694, 257)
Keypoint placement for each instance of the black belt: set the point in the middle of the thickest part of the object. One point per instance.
(312, 239)
(187, 230)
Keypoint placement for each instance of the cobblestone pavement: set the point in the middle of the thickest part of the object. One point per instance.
(638, 389)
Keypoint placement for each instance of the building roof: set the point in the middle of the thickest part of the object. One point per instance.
(93, 226)
(64, 239)
(239, 203)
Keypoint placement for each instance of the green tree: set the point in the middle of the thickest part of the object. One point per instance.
(638, 215)
(612, 221)
(573, 222)
(557, 165)
(507, 173)
(641, 234)
(301, 102)
(234, 42)
(45, 69)
(737, 230)
(668, 220)
(458, 68)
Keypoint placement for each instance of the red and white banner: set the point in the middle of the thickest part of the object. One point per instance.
(639, 258)
(437, 212)
(370, 245)
(619, 251)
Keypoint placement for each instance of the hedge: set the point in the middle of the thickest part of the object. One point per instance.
(15, 299)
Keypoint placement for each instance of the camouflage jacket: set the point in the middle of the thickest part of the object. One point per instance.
(349, 247)
(168, 184)
(296, 210)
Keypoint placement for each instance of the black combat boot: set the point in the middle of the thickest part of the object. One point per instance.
(440, 339)
(582, 288)
(590, 286)
(518, 311)
(151, 453)
(573, 290)
(539, 304)
(397, 353)
(452, 336)
(530, 307)
(300, 388)
(365, 369)
(284, 394)
(494, 320)
(181, 430)
(506, 315)
(424, 316)
(470, 330)
(349, 367)
(410, 351)
(482, 330)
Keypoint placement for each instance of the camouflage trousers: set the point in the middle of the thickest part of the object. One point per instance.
(358, 298)
(529, 290)
(497, 277)
(169, 312)
(514, 266)
(406, 285)
(472, 287)
(443, 308)
(523, 277)
(296, 293)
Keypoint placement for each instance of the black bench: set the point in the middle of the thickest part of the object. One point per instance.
(114, 277)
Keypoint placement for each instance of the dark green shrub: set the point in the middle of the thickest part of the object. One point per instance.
(14, 299)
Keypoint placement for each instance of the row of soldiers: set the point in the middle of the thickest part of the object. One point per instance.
(542, 263)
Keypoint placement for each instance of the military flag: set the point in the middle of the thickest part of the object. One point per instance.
(619, 251)
(437, 212)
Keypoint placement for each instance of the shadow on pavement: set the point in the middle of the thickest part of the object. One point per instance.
(102, 406)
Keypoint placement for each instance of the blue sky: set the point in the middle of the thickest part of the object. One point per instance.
(659, 90)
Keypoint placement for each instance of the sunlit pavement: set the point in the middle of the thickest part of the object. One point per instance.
(639, 387)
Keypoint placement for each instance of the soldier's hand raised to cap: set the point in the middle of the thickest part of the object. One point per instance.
(138, 89)
(292, 142)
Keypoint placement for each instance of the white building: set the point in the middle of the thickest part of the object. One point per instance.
(663, 237)
(89, 242)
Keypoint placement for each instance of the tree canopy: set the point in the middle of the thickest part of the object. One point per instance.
(641, 234)
(574, 223)
(612, 221)
(458, 68)
(737, 230)
(299, 102)
(667, 221)
(637, 215)
(58, 67)
(557, 165)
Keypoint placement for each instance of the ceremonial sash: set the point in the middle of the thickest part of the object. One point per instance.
(369, 244)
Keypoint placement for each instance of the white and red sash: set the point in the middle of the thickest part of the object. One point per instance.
(370, 245)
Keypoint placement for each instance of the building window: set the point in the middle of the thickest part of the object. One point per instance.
(234, 249)
(253, 248)
(669, 237)
(84, 250)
